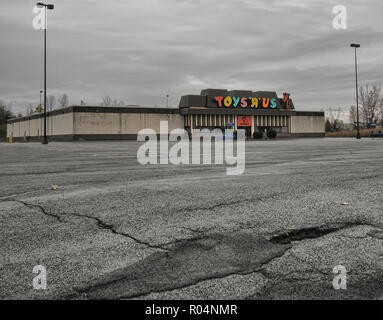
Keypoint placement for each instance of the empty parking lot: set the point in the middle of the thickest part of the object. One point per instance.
(115, 229)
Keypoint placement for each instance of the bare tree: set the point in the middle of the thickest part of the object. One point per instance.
(334, 114)
(30, 109)
(370, 101)
(107, 101)
(51, 102)
(381, 111)
(352, 115)
(118, 103)
(63, 101)
(333, 122)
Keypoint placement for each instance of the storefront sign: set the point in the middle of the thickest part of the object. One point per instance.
(286, 97)
(244, 121)
(243, 102)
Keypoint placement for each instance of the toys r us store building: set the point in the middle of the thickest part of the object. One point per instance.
(253, 111)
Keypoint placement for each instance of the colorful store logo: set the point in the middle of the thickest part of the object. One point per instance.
(243, 102)
(286, 97)
(244, 121)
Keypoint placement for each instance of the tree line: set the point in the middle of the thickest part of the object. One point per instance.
(5, 115)
(52, 103)
(370, 106)
(63, 102)
(370, 111)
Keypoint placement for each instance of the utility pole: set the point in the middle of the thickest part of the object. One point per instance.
(46, 7)
(356, 45)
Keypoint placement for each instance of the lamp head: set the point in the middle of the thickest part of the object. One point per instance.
(48, 6)
(355, 45)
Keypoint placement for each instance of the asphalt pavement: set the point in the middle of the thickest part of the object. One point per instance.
(111, 228)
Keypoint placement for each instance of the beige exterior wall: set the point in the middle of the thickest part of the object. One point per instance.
(93, 123)
(28, 127)
(96, 123)
(307, 124)
(60, 124)
(56, 125)
(9, 129)
(122, 123)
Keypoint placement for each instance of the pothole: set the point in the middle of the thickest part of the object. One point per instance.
(289, 236)
(301, 234)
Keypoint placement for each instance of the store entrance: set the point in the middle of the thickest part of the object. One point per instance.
(244, 122)
(247, 131)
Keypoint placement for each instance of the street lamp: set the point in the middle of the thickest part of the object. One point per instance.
(167, 101)
(46, 7)
(356, 45)
(41, 92)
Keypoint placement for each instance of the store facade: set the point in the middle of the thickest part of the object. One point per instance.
(211, 109)
(252, 111)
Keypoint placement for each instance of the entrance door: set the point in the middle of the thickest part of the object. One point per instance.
(247, 131)
(244, 122)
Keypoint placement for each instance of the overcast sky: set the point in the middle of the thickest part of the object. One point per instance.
(140, 50)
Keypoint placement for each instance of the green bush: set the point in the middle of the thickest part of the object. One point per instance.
(271, 134)
(258, 135)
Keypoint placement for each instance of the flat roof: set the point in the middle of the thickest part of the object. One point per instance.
(98, 109)
(154, 110)
(244, 111)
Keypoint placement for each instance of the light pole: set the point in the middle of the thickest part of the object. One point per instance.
(167, 101)
(356, 45)
(41, 92)
(46, 7)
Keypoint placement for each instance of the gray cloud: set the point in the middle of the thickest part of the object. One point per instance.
(140, 50)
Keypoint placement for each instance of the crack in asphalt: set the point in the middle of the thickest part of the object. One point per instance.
(101, 224)
(191, 284)
(295, 235)
(146, 279)
(269, 291)
(187, 263)
(40, 208)
(260, 271)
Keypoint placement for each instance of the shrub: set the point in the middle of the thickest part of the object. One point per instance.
(271, 134)
(334, 125)
(258, 135)
(3, 131)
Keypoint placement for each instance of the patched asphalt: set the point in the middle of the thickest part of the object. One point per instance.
(187, 263)
(116, 229)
